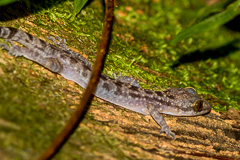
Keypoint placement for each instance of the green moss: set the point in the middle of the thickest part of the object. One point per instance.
(37, 103)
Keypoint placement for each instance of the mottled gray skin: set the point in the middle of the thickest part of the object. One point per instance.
(126, 79)
(72, 66)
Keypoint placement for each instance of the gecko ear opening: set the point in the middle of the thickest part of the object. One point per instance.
(198, 105)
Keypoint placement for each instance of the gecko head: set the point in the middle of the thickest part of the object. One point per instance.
(185, 102)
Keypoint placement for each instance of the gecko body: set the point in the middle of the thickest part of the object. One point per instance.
(124, 92)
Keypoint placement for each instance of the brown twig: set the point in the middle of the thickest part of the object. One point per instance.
(87, 97)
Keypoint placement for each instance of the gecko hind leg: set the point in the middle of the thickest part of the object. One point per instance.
(126, 79)
(53, 64)
(14, 49)
(60, 42)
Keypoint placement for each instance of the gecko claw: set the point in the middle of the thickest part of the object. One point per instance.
(168, 132)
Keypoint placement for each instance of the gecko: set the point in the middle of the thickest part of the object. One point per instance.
(122, 91)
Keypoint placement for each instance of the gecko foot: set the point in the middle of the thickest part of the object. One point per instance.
(12, 50)
(4, 46)
(168, 132)
(60, 42)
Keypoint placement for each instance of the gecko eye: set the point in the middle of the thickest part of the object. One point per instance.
(198, 105)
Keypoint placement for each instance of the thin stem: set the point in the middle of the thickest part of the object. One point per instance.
(87, 97)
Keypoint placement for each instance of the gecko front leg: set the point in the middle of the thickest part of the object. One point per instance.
(158, 117)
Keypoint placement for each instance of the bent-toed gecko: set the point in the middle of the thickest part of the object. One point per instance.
(124, 92)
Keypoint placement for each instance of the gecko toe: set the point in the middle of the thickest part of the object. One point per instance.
(12, 49)
(59, 41)
(62, 41)
(173, 135)
(58, 38)
(168, 132)
(52, 39)
(4, 46)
